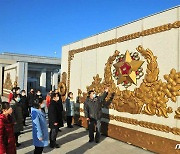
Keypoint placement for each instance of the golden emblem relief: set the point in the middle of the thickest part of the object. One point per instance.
(8, 83)
(149, 98)
(177, 116)
(62, 85)
(62, 88)
(128, 69)
(16, 82)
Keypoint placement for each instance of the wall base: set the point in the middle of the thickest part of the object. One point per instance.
(144, 140)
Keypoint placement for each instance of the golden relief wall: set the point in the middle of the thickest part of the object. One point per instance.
(10, 79)
(152, 92)
(146, 111)
(150, 98)
(8, 83)
(156, 88)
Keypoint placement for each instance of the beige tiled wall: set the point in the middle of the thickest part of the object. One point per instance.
(64, 59)
(165, 45)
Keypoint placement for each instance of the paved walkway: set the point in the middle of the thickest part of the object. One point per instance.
(75, 141)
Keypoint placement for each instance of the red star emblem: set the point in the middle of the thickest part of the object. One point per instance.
(127, 69)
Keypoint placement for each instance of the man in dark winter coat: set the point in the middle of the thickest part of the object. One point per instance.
(17, 116)
(25, 106)
(93, 112)
(60, 104)
(31, 98)
(38, 94)
(55, 119)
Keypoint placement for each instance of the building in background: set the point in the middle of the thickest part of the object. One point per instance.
(28, 71)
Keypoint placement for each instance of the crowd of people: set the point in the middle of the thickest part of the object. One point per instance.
(13, 116)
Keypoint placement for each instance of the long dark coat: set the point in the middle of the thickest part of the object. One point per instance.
(25, 105)
(7, 139)
(17, 116)
(31, 98)
(55, 114)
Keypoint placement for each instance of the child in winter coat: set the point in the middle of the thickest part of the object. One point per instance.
(70, 107)
(39, 126)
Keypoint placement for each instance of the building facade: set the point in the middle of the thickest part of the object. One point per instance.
(28, 71)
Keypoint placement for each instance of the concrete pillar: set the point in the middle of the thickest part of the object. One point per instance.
(55, 80)
(1, 80)
(43, 81)
(52, 81)
(22, 73)
(48, 81)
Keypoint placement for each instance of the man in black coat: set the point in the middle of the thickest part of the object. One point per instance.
(31, 98)
(93, 112)
(25, 106)
(17, 116)
(60, 104)
(55, 119)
